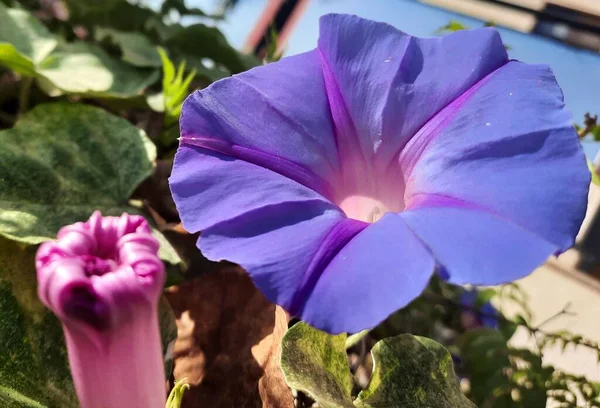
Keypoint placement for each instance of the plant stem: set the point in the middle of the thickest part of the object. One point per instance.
(24, 93)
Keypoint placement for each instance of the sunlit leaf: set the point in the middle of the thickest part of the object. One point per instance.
(175, 87)
(85, 69)
(412, 372)
(24, 41)
(61, 162)
(315, 362)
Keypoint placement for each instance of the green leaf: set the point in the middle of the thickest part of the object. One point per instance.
(213, 46)
(315, 362)
(86, 6)
(484, 296)
(87, 70)
(24, 41)
(355, 338)
(208, 72)
(175, 88)
(595, 132)
(34, 371)
(412, 372)
(183, 10)
(61, 162)
(452, 27)
(484, 354)
(136, 48)
(176, 395)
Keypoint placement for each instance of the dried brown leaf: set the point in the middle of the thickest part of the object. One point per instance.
(229, 342)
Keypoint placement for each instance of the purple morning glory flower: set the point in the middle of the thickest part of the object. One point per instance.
(103, 280)
(342, 177)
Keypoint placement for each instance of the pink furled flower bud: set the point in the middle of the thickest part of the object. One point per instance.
(103, 279)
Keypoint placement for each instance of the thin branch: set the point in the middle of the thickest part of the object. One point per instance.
(564, 311)
(532, 329)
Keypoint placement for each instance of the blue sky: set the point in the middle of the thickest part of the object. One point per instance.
(577, 71)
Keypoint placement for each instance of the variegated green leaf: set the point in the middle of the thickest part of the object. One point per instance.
(315, 362)
(63, 161)
(412, 372)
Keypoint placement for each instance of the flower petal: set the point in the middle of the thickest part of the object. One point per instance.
(276, 245)
(392, 83)
(210, 188)
(378, 272)
(472, 246)
(508, 147)
(271, 115)
(320, 266)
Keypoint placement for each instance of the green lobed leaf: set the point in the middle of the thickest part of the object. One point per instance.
(24, 41)
(87, 70)
(412, 372)
(315, 362)
(63, 161)
(136, 48)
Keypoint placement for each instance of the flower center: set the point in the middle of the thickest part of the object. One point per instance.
(365, 209)
(95, 266)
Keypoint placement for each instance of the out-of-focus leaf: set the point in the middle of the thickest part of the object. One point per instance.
(205, 69)
(61, 162)
(156, 102)
(451, 27)
(484, 296)
(595, 131)
(412, 372)
(24, 41)
(34, 372)
(485, 355)
(121, 15)
(136, 48)
(213, 46)
(183, 10)
(85, 69)
(315, 362)
(87, 6)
